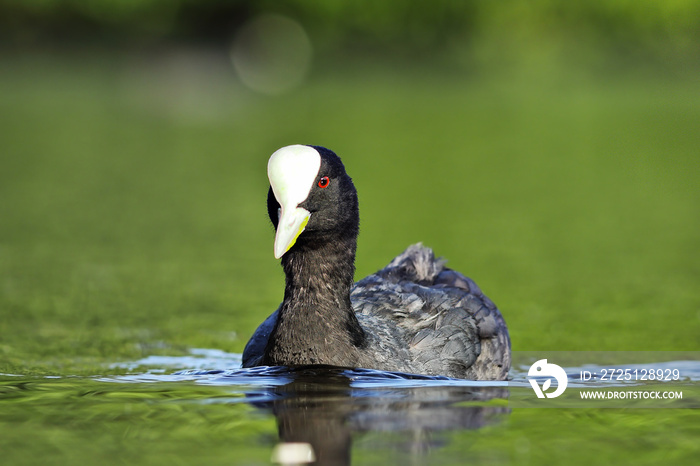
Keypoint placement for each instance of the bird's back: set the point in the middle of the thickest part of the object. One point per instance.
(424, 318)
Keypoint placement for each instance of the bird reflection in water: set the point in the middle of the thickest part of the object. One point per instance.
(323, 407)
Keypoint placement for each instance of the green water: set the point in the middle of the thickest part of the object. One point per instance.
(133, 223)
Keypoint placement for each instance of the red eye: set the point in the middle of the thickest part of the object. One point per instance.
(324, 182)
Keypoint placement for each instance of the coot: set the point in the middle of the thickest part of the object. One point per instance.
(414, 316)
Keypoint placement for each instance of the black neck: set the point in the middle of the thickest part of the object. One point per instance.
(316, 320)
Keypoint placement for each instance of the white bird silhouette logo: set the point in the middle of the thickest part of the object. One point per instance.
(542, 368)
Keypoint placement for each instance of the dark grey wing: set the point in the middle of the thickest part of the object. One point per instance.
(494, 359)
(254, 349)
(448, 326)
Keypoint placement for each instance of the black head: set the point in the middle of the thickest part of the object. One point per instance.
(321, 200)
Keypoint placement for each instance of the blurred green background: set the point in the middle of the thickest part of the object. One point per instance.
(548, 149)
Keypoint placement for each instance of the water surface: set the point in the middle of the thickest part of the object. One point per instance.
(360, 416)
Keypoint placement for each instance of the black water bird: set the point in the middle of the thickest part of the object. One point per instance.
(415, 315)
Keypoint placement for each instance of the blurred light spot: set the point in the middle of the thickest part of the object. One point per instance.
(271, 54)
(293, 453)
